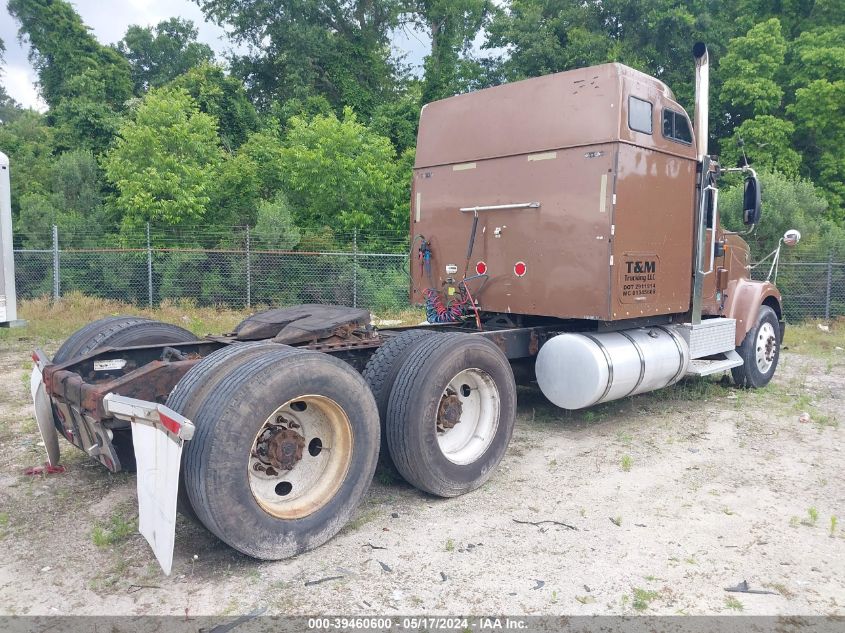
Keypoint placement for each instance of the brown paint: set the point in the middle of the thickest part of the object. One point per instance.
(613, 236)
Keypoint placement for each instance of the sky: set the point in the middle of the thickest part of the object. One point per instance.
(109, 20)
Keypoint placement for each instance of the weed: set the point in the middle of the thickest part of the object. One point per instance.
(627, 462)
(361, 520)
(115, 530)
(617, 521)
(643, 597)
(691, 560)
(385, 477)
(554, 597)
(585, 599)
(728, 511)
(794, 521)
(733, 604)
(450, 545)
(4, 519)
(812, 517)
(832, 526)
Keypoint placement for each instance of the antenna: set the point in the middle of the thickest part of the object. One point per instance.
(741, 144)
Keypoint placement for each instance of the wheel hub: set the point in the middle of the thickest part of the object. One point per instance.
(284, 449)
(770, 348)
(300, 456)
(449, 412)
(767, 347)
(279, 447)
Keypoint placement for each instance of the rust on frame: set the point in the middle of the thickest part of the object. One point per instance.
(152, 382)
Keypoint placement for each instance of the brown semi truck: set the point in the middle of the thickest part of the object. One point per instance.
(564, 229)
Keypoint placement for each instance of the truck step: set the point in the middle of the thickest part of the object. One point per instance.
(711, 336)
(704, 367)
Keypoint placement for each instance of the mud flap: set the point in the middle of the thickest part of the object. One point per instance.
(158, 434)
(44, 416)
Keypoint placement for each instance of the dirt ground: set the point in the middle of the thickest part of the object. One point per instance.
(654, 504)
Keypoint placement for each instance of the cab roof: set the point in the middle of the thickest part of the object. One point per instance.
(584, 106)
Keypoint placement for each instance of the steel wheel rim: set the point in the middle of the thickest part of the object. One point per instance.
(472, 435)
(765, 347)
(325, 457)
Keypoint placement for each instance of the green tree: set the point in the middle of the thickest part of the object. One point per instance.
(8, 106)
(301, 48)
(749, 71)
(158, 54)
(164, 161)
(224, 98)
(275, 227)
(340, 174)
(73, 201)
(83, 117)
(788, 203)
(816, 72)
(452, 25)
(546, 36)
(28, 141)
(398, 119)
(62, 47)
(819, 112)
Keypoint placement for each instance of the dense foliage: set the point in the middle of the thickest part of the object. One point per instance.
(308, 130)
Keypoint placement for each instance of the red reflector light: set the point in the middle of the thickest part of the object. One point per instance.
(481, 268)
(519, 269)
(169, 423)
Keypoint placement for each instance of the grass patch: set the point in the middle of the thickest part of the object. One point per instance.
(643, 598)
(733, 604)
(115, 530)
(626, 463)
(362, 520)
(807, 338)
(812, 517)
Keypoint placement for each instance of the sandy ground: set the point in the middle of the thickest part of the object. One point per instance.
(667, 498)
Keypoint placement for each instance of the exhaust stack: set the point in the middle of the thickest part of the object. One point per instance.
(702, 97)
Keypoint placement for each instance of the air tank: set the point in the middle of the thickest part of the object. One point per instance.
(578, 370)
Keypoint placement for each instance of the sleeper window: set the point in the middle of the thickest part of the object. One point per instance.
(639, 115)
(676, 127)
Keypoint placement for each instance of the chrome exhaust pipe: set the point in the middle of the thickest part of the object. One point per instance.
(702, 98)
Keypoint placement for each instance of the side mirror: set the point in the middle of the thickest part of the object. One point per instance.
(791, 237)
(751, 206)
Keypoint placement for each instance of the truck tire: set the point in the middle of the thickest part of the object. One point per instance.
(760, 349)
(451, 413)
(120, 331)
(380, 374)
(189, 393)
(284, 450)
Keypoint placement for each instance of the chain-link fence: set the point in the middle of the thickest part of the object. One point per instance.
(239, 268)
(243, 267)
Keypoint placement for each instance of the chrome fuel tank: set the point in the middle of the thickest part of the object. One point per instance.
(579, 370)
